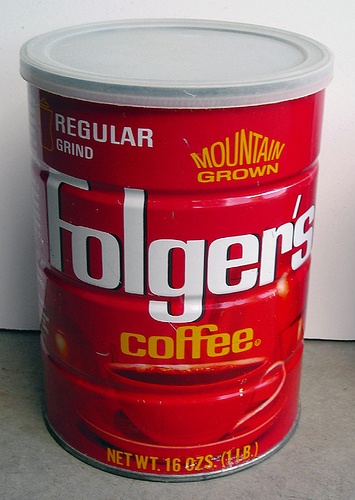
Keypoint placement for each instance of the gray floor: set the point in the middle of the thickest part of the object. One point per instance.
(317, 463)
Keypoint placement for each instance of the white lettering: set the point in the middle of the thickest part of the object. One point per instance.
(302, 237)
(110, 257)
(97, 132)
(110, 253)
(269, 250)
(160, 279)
(178, 272)
(133, 224)
(220, 265)
(74, 149)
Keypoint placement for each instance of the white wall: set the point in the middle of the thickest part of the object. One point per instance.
(331, 302)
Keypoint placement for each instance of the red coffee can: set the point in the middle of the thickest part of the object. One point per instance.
(174, 166)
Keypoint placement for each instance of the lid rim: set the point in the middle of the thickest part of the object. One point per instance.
(302, 79)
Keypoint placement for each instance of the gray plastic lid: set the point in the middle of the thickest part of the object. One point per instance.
(176, 63)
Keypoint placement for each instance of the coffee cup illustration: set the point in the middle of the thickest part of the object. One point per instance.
(46, 125)
(195, 404)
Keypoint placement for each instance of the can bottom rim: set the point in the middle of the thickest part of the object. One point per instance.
(166, 477)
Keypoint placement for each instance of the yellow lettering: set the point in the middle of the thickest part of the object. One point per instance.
(209, 463)
(271, 148)
(229, 162)
(193, 334)
(273, 168)
(111, 455)
(190, 464)
(200, 462)
(217, 344)
(168, 347)
(257, 171)
(141, 461)
(128, 458)
(154, 462)
(246, 452)
(263, 151)
(115, 456)
(203, 162)
(222, 154)
(278, 148)
(190, 342)
(205, 176)
(242, 340)
(126, 344)
(223, 174)
(256, 143)
(245, 147)
(240, 173)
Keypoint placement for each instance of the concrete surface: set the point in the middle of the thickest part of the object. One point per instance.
(317, 463)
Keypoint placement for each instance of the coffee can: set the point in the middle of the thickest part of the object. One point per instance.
(174, 171)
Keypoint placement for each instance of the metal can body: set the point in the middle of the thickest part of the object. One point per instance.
(174, 220)
(174, 277)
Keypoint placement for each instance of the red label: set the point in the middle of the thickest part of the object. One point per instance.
(173, 251)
